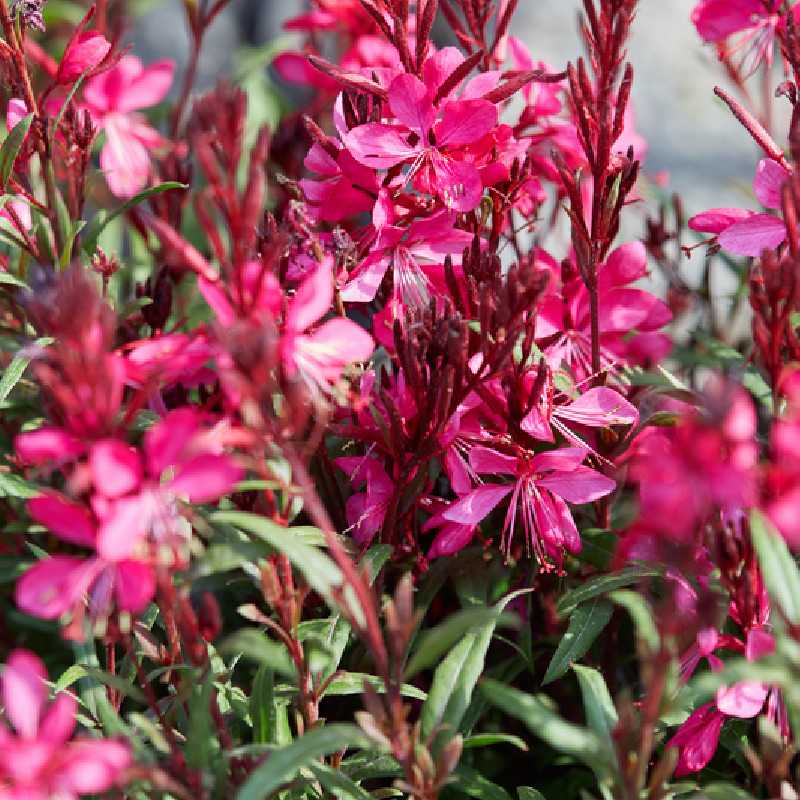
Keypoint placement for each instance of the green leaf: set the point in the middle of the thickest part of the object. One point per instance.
(16, 368)
(282, 765)
(642, 616)
(456, 677)
(337, 783)
(11, 280)
(778, 567)
(96, 227)
(601, 716)
(491, 739)
(14, 486)
(11, 568)
(537, 714)
(585, 625)
(319, 570)
(471, 783)
(603, 584)
(435, 642)
(11, 147)
(722, 791)
(201, 743)
(263, 708)
(348, 683)
(527, 793)
(257, 646)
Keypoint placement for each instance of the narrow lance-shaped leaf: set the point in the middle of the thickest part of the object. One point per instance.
(585, 625)
(282, 765)
(11, 147)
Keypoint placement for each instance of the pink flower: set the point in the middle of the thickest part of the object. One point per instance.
(754, 21)
(746, 233)
(543, 486)
(698, 737)
(408, 250)
(431, 139)
(366, 510)
(113, 99)
(85, 51)
(319, 357)
(599, 407)
(630, 319)
(134, 516)
(39, 758)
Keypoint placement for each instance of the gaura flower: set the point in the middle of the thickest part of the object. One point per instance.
(39, 757)
(114, 99)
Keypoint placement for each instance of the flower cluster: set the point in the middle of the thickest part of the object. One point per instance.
(310, 411)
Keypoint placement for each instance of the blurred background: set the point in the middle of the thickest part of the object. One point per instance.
(692, 137)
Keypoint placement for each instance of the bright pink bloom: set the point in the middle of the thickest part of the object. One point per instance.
(743, 232)
(706, 462)
(431, 139)
(85, 51)
(320, 356)
(134, 516)
(698, 737)
(113, 99)
(630, 319)
(408, 251)
(543, 486)
(39, 758)
(599, 407)
(754, 23)
(366, 510)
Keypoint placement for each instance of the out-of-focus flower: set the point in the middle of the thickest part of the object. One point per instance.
(114, 100)
(40, 758)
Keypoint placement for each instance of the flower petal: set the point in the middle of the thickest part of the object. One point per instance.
(753, 235)
(24, 691)
(472, 508)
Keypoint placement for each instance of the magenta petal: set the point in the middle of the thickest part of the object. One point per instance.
(697, 739)
(379, 146)
(168, 438)
(744, 700)
(134, 585)
(537, 425)
(116, 467)
(581, 485)
(124, 159)
(126, 524)
(451, 539)
(753, 235)
(411, 103)
(760, 643)
(91, 767)
(335, 345)
(489, 462)
(769, 180)
(600, 407)
(458, 183)
(715, 20)
(313, 299)
(205, 478)
(47, 444)
(626, 264)
(465, 122)
(69, 521)
(58, 723)
(472, 508)
(366, 280)
(561, 460)
(716, 220)
(53, 586)
(148, 88)
(24, 691)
